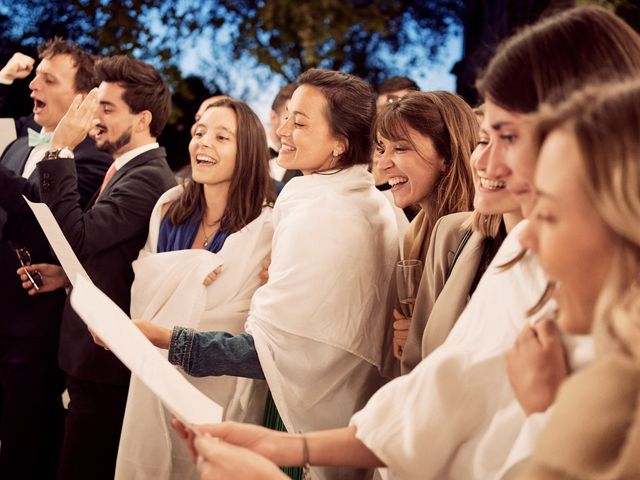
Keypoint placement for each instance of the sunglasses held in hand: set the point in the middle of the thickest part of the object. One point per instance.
(25, 260)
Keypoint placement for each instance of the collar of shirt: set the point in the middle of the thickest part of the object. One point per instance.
(35, 156)
(122, 160)
(276, 171)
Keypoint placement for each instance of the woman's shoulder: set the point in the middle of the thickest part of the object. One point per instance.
(614, 375)
(450, 229)
(168, 198)
(598, 405)
(453, 222)
(263, 222)
(165, 208)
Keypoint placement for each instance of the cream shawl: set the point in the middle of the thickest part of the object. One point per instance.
(319, 322)
(168, 290)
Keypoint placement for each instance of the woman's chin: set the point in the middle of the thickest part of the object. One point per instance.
(286, 161)
(400, 203)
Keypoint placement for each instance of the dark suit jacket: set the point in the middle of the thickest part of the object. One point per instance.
(107, 237)
(24, 315)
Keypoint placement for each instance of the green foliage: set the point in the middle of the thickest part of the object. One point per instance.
(290, 36)
(101, 26)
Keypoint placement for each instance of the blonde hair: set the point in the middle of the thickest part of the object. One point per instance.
(605, 120)
(485, 225)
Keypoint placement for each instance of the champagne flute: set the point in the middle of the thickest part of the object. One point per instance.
(408, 275)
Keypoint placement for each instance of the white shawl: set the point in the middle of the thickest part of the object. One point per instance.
(455, 415)
(168, 290)
(319, 322)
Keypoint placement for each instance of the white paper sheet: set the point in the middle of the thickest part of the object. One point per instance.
(129, 344)
(58, 241)
(7, 132)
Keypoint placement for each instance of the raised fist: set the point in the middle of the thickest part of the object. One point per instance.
(18, 66)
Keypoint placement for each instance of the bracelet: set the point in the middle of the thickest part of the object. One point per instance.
(305, 458)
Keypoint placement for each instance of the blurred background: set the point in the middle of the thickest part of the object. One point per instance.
(249, 49)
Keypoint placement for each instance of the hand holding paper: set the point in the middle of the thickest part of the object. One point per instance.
(122, 337)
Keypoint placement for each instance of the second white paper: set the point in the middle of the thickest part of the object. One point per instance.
(129, 344)
(61, 247)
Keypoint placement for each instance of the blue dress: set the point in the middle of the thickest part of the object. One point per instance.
(180, 237)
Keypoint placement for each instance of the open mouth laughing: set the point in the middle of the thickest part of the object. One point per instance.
(38, 106)
(492, 185)
(98, 131)
(286, 148)
(397, 181)
(205, 160)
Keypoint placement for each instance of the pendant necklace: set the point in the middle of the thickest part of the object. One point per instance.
(208, 238)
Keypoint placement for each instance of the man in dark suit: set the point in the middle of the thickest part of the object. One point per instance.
(133, 104)
(32, 418)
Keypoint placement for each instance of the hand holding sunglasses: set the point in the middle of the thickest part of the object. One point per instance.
(25, 260)
(41, 277)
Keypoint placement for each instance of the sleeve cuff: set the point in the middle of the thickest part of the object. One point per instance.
(180, 346)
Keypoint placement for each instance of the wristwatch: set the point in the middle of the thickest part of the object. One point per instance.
(64, 152)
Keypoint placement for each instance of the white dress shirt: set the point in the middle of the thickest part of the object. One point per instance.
(123, 159)
(37, 154)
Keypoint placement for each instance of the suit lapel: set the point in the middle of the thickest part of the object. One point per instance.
(93, 201)
(453, 296)
(139, 160)
(466, 266)
(16, 155)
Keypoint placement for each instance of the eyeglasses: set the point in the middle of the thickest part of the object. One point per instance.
(25, 260)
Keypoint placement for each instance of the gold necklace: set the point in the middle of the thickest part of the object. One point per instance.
(208, 238)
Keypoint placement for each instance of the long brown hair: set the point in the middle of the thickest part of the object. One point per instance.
(548, 61)
(551, 59)
(451, 125)
(251, 186)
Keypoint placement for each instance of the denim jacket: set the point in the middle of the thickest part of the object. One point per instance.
(203, 354)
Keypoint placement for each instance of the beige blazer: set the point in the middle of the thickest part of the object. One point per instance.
(440, 300)
(594, 429)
